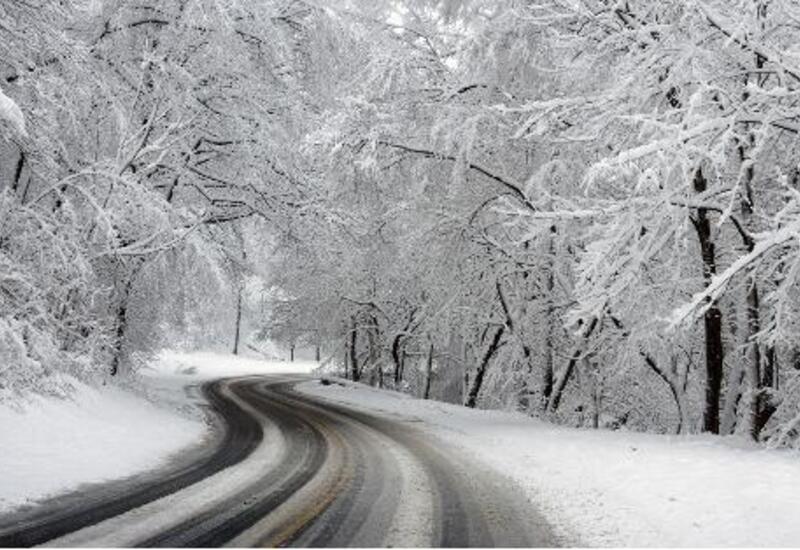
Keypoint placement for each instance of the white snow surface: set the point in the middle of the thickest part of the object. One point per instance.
(52, 445)
(601, 488)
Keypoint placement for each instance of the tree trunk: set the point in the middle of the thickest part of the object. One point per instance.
(477, 381)
(548, 367)
(346, 359)
(712, 319)
(355, 374)
(758, 402)
(597, 392)
(672, 382)
(565, 375)
(119, 333)
(291, 353)
(18, 172)
(428, 373)
(752, 355)
(769, 381)
(373, 337)
(753, 361)
(527, 354)
(733, 397)
(238, 328)
(121, 317)
(397, 359)
(121, 325)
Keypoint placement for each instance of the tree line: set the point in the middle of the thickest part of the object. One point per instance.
(587, 210)
(142, 141)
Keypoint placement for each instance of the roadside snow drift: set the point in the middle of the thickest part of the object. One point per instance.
(51, 445)
(600, 488)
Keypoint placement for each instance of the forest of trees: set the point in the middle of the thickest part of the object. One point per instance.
(588, 210)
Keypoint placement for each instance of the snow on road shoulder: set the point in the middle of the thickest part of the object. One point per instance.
(52, 445)
(617, 488)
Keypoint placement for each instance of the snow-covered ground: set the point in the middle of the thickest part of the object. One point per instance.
(602, 488)
(52, 445)
(596, 488)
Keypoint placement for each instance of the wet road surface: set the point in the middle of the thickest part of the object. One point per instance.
(287, 469)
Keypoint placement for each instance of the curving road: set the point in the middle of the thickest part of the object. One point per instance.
(287, 469)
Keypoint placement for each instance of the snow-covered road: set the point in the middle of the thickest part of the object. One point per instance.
(294, 469)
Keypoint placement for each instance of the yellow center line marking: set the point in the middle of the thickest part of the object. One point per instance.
(327, 493)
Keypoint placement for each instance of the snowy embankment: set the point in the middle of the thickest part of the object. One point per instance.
(53, 445)
(601, 488)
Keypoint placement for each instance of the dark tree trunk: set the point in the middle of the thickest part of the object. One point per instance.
(712, 322)
(397, 359)
(373, 357)
(355, 375)
(752, 356)
(527, 353)
(547, 371)
(560, 385)
(398, 349)
(238, 328)
(480, 374)
(674, 389)
(291, 353)
(426, 393)
(18, 172)
(121, 316)
(119, 336)
(346, 359)
(712, 319)
(759, 397)
(171, 189)
(769, 379)
(121, 323)
(753, 361)
(317, 354)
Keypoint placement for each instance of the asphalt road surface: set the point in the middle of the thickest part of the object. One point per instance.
(286, 469)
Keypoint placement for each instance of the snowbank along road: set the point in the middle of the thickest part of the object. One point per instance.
(290, 469)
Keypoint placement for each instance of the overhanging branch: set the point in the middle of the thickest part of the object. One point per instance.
(514, 188)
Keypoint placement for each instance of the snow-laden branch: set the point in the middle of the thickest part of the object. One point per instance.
(513, 187)
(761, 50)
(12, 114)
(659, 146)
(702, 300)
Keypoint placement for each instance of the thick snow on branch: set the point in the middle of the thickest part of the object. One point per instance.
(12, 114)
(720, 282)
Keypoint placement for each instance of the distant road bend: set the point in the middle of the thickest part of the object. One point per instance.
(290, 470)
